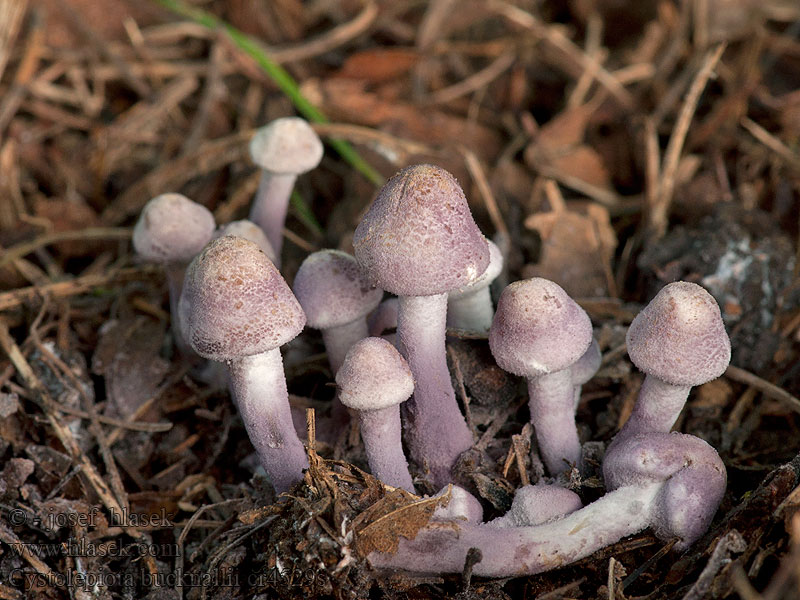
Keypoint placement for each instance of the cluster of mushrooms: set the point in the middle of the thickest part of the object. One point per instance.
(419, 242)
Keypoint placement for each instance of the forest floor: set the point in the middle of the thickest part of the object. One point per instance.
(610, 146)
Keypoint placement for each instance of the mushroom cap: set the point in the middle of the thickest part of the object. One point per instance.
(488, 276)
(680, 337)
(250, 231)
(462, 505)
(538, 329)
(333, 290)
(537, 504)
(286, 146)
(418, 237)
(235, 303)
(374, 376)
(172, 229)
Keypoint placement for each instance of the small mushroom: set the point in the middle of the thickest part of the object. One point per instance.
(418, 241)
(537, 504)
(237, 309)
(670, 482)
(250, 231)
(462, 505)
(285, 148)
(336, 297)
(171, 230)
(470, 308)
(679, 341)
(538, 333)
(374, 380)
(586, 367)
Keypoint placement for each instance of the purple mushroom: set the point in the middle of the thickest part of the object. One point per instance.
(470, 307)
(418, 241)
(537, 504)
(171, 230)
(284, 149)
(670, 482)
(539, 332)
(250, 231)
(336, 297)
(237, 309)
(374, 380)
(679, 341)
(586, 367)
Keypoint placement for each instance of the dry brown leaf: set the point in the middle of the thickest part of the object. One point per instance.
(392, 517)
(378, 65)
(566, 129)
(576, 250)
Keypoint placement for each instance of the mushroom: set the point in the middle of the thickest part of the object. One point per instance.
(250, 231)
(462, 505)
(171, 230)
(418, 241)
(679, 341)
(470, 307)
(539, 332)
(670, 482)
(384, 317)
(586, 367)
(336, 297)
(237, 309)
(374, 380)
(537, 504)
(284, 149)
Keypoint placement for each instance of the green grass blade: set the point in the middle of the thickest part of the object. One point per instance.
(280, 76)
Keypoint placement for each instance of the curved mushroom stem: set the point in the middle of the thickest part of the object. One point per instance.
(438, 433)
(380, 430)
(338, 340)
(512, 551)
(270, 207)
(656, 409)
(552, 408)
(472, 312)
(258, 387)
(673, 482)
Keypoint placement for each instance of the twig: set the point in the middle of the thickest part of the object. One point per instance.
(81, 285)
(720, 557)
(657, 215)
(92, 233)
(476, 170)
(476, 81)
(765, 387)
(771, 142)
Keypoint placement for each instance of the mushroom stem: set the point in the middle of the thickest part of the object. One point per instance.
(340, 338)
(471, 311)
(511, 551)
(551, 403)
(258, 387)
(656, 409)
(438, 433)
(380, 430)
(271, 205)
(174, 273)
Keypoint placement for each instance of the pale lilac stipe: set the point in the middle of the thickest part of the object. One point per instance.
(551, 402)
(338, 340)
(651, 498)
(258, 387)
(175, 274)
(586, 367)
(270, 206)
(437, 431)
(384, 317)
(656, 409)
(380, 430)
(471, 307)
